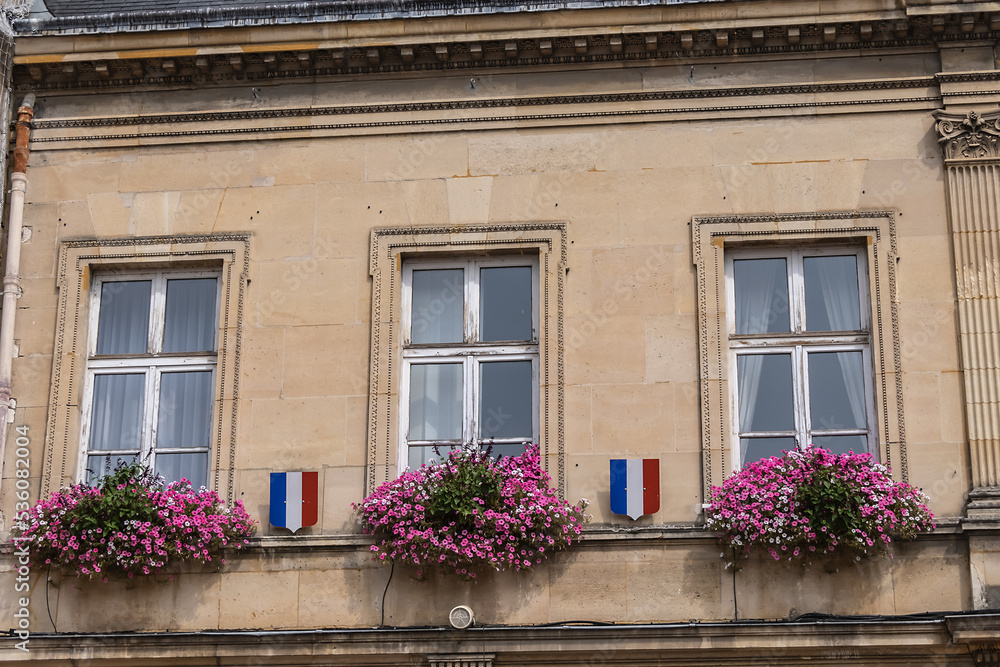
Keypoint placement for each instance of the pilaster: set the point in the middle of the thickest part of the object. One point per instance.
(971, 145)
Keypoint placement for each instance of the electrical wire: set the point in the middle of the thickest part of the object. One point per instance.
(48, 582)
(386, 590)
(736, 606)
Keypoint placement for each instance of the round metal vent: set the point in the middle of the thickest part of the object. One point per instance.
(461, 617)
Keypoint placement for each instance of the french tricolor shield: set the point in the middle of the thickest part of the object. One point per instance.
(635, 486)
(294, 499)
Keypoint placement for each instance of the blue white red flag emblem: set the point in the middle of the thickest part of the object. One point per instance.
(635, 486)
(294, 499)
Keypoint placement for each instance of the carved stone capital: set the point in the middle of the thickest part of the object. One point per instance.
(969, 137)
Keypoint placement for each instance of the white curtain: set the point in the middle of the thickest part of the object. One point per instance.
(123, 325)
(435, 402)
(189, 322)
(755, 297)
(192, 467)
(185, 415)
(117, 416)
(748, 369)
(838, 283)
(756, 281)
(437, 306)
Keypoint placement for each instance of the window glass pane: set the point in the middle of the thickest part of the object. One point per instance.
(765, 392)
(123, 323)
(435, 402)
(755, 449)
(832, 293)
(418, 456)
(438, 306)
(761, 295)
(837, 390)
(185, 413)
(193, 467)
(505, 303)
(101, 465)
(505, 403)
(189, 322)
(841, 444)
(506, 450)
(116, 420)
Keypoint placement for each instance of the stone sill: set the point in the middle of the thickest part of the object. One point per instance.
(597, 536)
(594, 537)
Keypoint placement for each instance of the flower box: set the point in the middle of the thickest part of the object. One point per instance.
(127, 523)
(470, 513)
(812, 503)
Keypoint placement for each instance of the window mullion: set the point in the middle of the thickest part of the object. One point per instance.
(470, 408)
(157, 313)
(407, 304)
(800, 396)
(535, 402)
(797, 292)
(151, 405)
(471, 302)
(534, 309)
(870, 410)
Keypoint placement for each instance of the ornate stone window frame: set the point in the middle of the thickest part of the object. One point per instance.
(713, 235)
(389, 248)
(229, 254)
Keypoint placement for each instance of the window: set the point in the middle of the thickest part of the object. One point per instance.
(151, 372)
(470, 356)
(800, 344)
(468, 386)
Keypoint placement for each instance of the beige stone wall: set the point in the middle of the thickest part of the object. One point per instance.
(649, 580)
(630, 308)
(627, 192)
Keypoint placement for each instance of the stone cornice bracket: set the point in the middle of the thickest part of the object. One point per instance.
(978, 632)
(974, 136)
(461, 660)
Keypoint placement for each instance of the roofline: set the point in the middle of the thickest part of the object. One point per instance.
(325, 11)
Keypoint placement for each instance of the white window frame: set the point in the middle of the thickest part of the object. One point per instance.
(471, 353)
(799, 343)
(152, 364)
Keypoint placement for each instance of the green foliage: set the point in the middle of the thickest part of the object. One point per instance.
(457, 495)
(123, 497)
(832, 505)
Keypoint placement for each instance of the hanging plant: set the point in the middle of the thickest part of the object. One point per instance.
(471, 513)
(809, 503)
(128, 524)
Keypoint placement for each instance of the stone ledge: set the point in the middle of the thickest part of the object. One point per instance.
(820, 639)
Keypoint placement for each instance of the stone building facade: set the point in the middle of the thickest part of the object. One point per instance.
(307, 159)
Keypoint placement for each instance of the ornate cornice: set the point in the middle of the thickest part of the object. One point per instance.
(974, 136)
(231, 63)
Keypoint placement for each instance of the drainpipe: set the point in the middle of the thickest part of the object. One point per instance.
(11, 280)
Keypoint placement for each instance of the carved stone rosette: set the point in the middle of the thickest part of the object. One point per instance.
(971, 145)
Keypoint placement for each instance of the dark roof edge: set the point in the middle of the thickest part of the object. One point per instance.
(304, 12)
